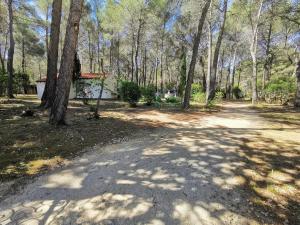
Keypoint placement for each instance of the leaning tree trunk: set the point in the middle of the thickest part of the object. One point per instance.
(187, 94)
(11, 51)
(60, 104)
(50, 87)
(214, 68)
(253, 49)
(297, 98)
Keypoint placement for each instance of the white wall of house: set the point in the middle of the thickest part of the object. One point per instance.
(90, 89)
(40, 87)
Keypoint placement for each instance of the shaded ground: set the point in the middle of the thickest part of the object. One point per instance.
(238, 166)
(29, 145)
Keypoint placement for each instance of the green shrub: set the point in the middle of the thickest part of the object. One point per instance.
(172, 100)
(130, 92)
(280, 90)
(158, 99)
(237, 92)
(199, 97)
(196, 88)
(149, 94)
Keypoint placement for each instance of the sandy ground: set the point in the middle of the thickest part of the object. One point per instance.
(190, 172)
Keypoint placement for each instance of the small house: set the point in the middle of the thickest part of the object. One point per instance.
(87, 86)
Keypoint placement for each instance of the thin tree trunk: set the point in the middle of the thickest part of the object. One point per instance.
(2, 60)
(145, 70)
(232, 72)
(137, 51)
(23, 55)
(11, 51)
(156, 74)
(91, 56)
(132, 56)
(266, 73)
(161, 59)
(60, 104)
(203, 74)
(253, 49)
(97, 114)
(50, 87)
(213, 74)
(209, 65)
(221, 71)
(297, 97)
(187, 94)
(47, 29)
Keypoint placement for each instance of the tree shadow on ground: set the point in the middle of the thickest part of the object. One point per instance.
(187, 176)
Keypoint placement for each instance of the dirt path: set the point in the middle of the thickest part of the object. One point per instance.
(194, 172)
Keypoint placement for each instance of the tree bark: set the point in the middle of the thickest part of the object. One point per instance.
(232, 72)
(268, 61)
(23, 55)
(137, 51)
(209, 66)
(214, 68)
(253, 49)
(297, 97)
(203, 74)
(11, 51)
(50, 87)
(2, 61)
(60, 104)
(187, 94)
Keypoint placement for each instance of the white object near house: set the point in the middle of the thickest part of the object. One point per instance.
(88, 86)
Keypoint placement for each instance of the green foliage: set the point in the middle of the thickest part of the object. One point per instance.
(196, 88)
(172, 100)
(130, 92)
(280, 89)
(199, 97)
(237, 92)
(148, 94)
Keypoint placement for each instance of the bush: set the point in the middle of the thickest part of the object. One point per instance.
(237, 92)
(199, 97)
(149, 94)
(196, 88)
(130, 92)
(172, 100)
(280, 90)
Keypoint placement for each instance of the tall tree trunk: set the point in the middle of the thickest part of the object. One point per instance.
(203, 73)
(232, 72)
(137, 51)
(161, 59)
(221, 71)
(23, 55)
(297, 97)
(60, 104)
(145, 69)
(2, 60)
(253, 49)
(91, 55)
(156, 74)
(209, 58)
(266, 73)
(132, 56)
(11, 51)
(50, 87)
(214, 68)
(187, 94)
(47, 28)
